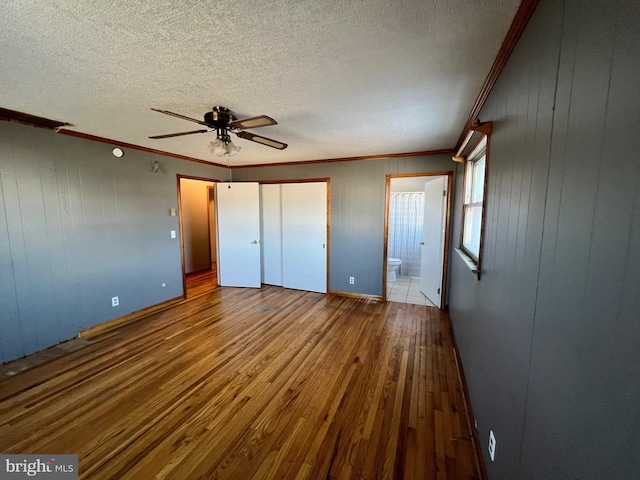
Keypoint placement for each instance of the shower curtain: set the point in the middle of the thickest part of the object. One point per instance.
(406, 217)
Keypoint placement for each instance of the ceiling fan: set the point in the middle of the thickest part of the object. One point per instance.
(222, 121)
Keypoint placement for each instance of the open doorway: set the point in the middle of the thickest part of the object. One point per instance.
(416, 238)
(197, 235)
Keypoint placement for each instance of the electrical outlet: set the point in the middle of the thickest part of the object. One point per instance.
(352, 280)
(492, 446)
(115, 301)
(173, 234)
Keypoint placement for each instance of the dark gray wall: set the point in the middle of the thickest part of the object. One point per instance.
(550, 335)
(357, 211)
(77, 227)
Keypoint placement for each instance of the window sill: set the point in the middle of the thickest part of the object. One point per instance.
(469, 262)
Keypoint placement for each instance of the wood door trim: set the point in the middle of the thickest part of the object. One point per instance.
(447, 233)
(296, 180)
(180, 176)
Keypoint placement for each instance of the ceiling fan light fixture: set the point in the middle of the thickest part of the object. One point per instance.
(232, 149)
(222, 146)
(217, 147)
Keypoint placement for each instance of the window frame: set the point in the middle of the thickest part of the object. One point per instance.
(479, 151)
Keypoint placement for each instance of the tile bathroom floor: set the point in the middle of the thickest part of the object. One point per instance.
(407, 290)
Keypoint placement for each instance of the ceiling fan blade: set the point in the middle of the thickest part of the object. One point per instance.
(177, 115)
(263, 140)
(253, 122)
(169, 135)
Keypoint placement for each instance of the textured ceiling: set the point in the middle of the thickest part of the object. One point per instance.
(342, 78)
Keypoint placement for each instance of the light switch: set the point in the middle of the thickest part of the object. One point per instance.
(172, 212)
(173, 234)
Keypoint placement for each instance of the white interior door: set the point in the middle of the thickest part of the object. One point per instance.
(238, 214)
(304, 236)
(271, 233)
(431, 266)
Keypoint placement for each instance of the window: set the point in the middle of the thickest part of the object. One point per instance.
(472, 215)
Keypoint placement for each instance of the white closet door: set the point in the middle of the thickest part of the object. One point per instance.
(304, 236)
(271, 230)
(238, 213)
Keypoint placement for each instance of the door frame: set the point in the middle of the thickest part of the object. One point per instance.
(326, 180)
(447, 232)
(180, 176)
(211, 191)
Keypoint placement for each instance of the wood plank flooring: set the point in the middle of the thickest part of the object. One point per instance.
(263, 383)
(201, 282)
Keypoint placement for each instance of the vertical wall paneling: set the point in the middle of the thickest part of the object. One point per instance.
(23, 219)
(549, 335)
(107, 224)
(583, 347)
(356, 210)
(493, 317)
(77, 227)
(11, 254)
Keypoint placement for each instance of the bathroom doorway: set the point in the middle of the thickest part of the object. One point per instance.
(416, 237)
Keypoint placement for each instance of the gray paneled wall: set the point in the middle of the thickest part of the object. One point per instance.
(550, 335)
(357, 211)
(77, 227)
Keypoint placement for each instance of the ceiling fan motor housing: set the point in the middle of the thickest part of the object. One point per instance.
(219, 117)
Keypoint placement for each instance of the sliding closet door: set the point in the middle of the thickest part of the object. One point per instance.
(238, 213)
(304, 236)
(271, 230)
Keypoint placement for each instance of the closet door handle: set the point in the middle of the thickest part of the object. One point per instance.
(255, 242)
(421, 243)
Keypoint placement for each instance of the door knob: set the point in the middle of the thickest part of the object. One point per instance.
(255, 242)
(421, 243)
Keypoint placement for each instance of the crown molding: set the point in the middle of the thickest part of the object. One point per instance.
(110, 141)
(520, 21)
(446, 151)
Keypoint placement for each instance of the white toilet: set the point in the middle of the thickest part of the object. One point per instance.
(392, 267)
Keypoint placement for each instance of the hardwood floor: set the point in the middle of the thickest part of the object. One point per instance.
(253, 383)
(201, 282)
